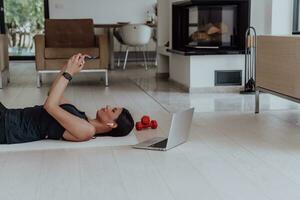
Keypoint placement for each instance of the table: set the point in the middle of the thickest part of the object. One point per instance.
(110, 28)
(277, 69)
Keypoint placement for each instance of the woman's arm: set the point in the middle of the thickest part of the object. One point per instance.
(69, 137)
(62, 100)
(77, 127)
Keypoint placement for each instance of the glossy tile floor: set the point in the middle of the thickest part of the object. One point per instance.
(232, 154)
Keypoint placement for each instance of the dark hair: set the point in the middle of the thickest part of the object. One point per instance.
(125, 125)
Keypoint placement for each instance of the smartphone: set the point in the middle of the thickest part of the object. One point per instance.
(88, 58)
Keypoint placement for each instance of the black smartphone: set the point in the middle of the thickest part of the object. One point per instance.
(88, 58)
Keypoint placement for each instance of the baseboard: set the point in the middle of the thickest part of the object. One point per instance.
(180, 85)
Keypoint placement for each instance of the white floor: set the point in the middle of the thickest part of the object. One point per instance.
(232, 154)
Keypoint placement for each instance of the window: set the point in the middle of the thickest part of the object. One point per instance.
(21, 20)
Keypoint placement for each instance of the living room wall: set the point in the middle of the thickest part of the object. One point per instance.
(102, 11)
(282, 18)
(272, 16)
(261, 16)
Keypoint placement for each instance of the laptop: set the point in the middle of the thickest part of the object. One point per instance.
(178, 134)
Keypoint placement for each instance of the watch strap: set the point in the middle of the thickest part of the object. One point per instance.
(67, 76)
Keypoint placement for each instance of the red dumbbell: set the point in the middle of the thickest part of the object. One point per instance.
(154, 124)
(140, 126)
(145, 120)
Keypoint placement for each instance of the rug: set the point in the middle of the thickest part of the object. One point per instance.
(54, 144)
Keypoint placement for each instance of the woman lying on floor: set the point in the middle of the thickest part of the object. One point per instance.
(58, 119)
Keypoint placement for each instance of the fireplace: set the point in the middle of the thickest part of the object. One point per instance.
(210, 26)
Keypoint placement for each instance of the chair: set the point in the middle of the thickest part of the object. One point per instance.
(66, 37)
(4, 59)
(135, 35)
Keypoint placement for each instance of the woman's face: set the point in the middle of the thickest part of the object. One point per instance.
(109, 114)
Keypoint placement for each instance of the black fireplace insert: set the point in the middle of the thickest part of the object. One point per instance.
(210, 26)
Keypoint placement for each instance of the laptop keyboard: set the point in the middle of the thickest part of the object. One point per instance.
(162, 144)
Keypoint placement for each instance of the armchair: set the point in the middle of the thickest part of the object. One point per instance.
(64, 38)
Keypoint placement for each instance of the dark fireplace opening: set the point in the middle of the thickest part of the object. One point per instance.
(210, 25)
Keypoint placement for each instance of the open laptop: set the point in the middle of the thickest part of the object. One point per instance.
(178, 134)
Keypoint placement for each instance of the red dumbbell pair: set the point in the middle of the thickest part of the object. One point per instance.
(146, 123)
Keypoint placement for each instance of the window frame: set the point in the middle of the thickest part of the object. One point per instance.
(296, 16)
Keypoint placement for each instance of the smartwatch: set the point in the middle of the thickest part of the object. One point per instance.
(67, 76)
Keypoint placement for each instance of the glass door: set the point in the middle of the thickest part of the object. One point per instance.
(2, 27)
(22, 20)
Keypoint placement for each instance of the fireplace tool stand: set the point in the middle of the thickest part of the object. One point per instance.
(250, 61)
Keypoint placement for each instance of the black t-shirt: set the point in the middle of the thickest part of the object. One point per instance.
(34, 123)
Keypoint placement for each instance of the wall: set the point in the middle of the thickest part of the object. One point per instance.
(261, 16)
(282, 17)
(180, 70)
(163, 22)
(272, 16)
(102, 11)
(164, 26)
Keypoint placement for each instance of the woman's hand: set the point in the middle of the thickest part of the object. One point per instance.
(75, 64)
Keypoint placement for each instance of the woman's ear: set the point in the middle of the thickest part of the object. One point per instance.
(112, 125)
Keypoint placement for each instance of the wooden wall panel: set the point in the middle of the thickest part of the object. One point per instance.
(278, 64)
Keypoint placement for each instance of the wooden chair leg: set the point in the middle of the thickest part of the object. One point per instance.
(38, 80)
(106, 78)
(8, 76)
(1, 82)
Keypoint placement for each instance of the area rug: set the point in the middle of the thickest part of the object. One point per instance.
(53, 144)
